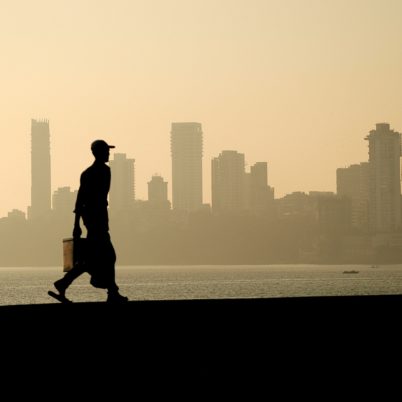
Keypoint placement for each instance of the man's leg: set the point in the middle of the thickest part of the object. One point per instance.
(62, 284)
(113, 295)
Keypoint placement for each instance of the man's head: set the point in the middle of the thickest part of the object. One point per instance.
(100, 150)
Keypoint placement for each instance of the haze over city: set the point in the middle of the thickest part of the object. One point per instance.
(298, 84)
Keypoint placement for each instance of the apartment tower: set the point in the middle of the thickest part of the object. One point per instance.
(353, 183)
(186, 149)
(40, 170)
(122, 190)
(228, 182)
(384, 179)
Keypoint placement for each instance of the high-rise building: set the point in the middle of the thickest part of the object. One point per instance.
(157, 189)
(158, 192)
(260, 196)
(186, 149)
(63, 201)
(353, 183)
(40, 170)
(384, 179)
(122, 190)
(228, 182)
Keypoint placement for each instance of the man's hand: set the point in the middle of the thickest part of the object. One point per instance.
(77, 232)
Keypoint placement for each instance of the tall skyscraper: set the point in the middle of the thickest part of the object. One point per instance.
(40, 170)
(353, 183)
(186, 148)
(384, 178)
(228, 182)
(122, 190)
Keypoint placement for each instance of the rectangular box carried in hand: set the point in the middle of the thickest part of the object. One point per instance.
(68, 254)
(74, 252)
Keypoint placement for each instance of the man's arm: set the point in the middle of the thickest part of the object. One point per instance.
(77, 232)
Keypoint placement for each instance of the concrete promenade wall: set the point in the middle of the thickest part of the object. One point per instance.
(201, 339)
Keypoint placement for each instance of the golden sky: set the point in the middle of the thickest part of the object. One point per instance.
(296, 83)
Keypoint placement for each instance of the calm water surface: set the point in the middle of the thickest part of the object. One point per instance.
(28, 285)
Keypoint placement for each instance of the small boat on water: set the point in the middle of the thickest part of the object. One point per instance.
(352, 271)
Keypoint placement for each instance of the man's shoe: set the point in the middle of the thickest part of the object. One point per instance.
(59, 297)
(116, 298)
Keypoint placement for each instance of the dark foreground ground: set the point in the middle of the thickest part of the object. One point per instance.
(323, 340)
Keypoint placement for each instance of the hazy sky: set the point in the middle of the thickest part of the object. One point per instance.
(296, 83)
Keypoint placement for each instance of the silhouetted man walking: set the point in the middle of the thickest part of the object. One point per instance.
(91, 206)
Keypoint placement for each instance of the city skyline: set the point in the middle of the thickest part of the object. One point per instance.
(188, 137)
(244, 223)
(297, 84)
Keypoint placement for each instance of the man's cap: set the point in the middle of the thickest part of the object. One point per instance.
(100, 144)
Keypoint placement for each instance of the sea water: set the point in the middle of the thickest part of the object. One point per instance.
(29, 285)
